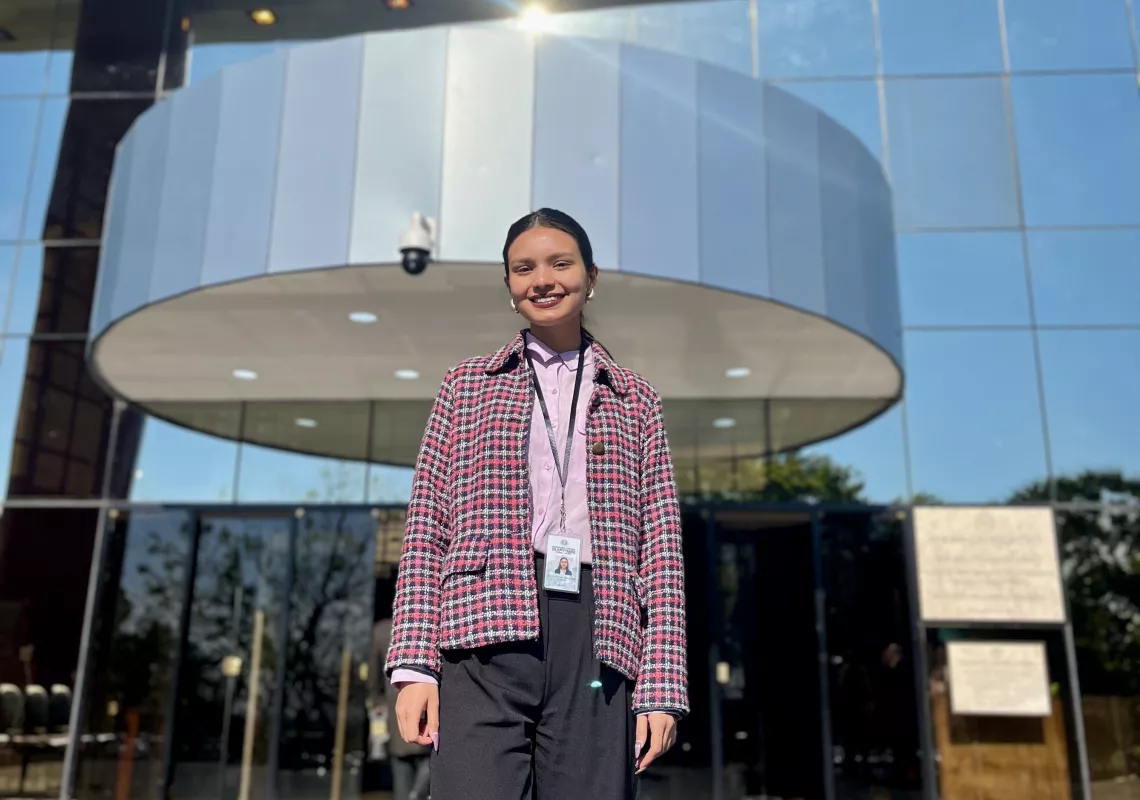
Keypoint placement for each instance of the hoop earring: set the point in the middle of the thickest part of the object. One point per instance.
(590, 294)
(514, 308)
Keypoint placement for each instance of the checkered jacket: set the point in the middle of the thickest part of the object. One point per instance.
(466, 575)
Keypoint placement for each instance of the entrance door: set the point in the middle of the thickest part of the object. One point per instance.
(768, 657)
(277, 626)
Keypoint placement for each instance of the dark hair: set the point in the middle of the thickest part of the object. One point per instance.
(559, 221)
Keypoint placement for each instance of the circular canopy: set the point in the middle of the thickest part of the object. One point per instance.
(744, 239)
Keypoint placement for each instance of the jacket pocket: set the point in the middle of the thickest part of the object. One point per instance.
(466, 554)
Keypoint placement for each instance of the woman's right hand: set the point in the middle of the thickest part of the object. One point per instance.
(412, 703)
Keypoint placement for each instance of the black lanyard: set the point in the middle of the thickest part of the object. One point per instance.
(564, 467)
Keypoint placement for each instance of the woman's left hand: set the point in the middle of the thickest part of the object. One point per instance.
(659, 731)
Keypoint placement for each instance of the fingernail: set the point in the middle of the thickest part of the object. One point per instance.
(637, 747)
(435, 740)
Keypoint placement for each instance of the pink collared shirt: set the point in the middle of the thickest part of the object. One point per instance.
(556, 373)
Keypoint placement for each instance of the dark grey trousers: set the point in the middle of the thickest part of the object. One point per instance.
(523, 720)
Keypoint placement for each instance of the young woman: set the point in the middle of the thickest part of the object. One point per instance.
(521, 677)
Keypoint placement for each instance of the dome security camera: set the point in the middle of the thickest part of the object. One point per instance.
(416, 244)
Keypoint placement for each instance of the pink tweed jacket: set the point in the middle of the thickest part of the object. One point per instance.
(466, 574)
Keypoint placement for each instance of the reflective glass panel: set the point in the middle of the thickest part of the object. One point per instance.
(174, 464)
(853, 104)
(135, 638)
(816, 39)
(389, 485)
(1092, 391)
(973, 415)
(325, 664)
(962, 279)
(52, 120)
(1086, 277)
(62, 427)
(229, 678)
(22, 71)
(268, 475)
(925, 37)
(17, 144)
(120, 51)
(949, 153)
(8, 255)
(875, 454)
(1076, 141)
(1061, 34)
(53, 289)
(718, 32)
(86, 155)
(614, 24)
(43, 591)
(207, 59)
(13, 365)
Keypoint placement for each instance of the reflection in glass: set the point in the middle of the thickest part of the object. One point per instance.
(1076, 141)
(717, 32)
(52, 119)
(1092, 393)
(86, 155)
(931, 37)
(205, 468)
(873, 697)
(224, 721)
(13, 365)
(853, 104)
(268, 475)
(43, 586)
(962, 279)
(119, 51)
(949, 153)
(63, 425)
(1103, 605)
(208, 59)
(330, 629)
(1061, 34)
(389, 485)
(1085, 277)
(771, 708)
(876, 453)
(53, 290)
(17, 143)
(135, 641)
(22, 71)
(973, 413)
(816, 39)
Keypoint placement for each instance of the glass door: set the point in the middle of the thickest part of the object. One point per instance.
(768, 668)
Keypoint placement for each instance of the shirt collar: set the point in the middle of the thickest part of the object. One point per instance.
(547, 357)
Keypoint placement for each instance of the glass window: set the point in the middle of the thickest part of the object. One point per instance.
(173, 464)
(119, 52)
(924, 37)
(949, 153)
(973, 415)
(389, 485)
(1092, 391)
(53, 289)
(1076, 141)
(17, 143)
(13, 364)
(8, 256)
(86, 155)
(1062, 34)
(1085, 277)
(853, 104)
(135, 638)
(615, 24)
(816, 39)
(718, 32)
(875, 454)
(269, 475)
(22, 71)
(208, 59)
(962, 279)
(52, 120)
(62, 426)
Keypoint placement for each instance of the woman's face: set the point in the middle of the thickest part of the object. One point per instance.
(564, 564)
(547, 278)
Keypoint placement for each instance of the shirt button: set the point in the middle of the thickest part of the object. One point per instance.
(554, 391)
(547, 468)
(541, 511)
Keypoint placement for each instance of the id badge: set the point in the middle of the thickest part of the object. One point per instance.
(563, 564)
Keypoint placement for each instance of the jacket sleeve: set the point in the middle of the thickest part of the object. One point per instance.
(663, 682)
(415, 617)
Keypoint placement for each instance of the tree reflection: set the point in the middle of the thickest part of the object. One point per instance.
(779, 478)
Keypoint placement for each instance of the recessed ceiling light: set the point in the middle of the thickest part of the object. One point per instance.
(263, 16)
(305, 422)
(724, 422)
(407, 374)
(362, 317)
(398, 5)
(737, 372)
(245, 374)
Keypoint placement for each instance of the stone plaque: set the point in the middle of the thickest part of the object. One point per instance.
(999, 679)
(993, 564)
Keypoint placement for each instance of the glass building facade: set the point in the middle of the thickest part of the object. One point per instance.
(1008, 130)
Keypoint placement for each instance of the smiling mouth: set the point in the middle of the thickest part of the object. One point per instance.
(549, 301)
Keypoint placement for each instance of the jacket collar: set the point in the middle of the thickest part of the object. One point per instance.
(604, 367)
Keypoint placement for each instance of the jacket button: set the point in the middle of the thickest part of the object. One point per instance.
(598, 449)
